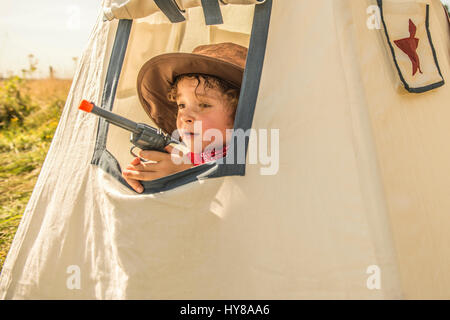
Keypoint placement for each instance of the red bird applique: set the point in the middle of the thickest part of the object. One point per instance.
(409, 46)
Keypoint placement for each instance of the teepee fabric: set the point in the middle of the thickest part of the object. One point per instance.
(358, 205)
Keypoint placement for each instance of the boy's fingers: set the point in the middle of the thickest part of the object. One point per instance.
(144, 166)
(168, 148)
(136, 161)
(153, 155)
(178, 155)
(136, 185)
(178, 149)
(134, 164)
(141, 175)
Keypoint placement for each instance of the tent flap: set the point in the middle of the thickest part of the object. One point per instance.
(135, 9)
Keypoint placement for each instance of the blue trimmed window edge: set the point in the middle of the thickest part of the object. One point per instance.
(243, 119)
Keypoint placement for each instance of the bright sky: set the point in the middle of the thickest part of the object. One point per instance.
(54, 31)
(447, 2)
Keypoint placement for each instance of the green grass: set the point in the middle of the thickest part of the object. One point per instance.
(23, 147)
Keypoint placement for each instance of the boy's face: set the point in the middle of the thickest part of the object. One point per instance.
(200, 110)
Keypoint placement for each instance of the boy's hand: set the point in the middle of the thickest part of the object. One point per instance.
(162, 165)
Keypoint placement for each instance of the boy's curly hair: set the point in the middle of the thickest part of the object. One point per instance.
(230, 92)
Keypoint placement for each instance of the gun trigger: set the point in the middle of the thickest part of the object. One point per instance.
(135, 155)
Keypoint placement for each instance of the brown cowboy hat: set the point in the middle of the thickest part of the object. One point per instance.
(223, 60)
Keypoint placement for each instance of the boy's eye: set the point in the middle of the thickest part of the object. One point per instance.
(204, 105)
(180, 106)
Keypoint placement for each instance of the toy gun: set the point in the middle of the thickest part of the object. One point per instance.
(143, 136)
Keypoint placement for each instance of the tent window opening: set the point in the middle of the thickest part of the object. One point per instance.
(138, 40)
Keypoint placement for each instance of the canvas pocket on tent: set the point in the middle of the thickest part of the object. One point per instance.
(409, 38)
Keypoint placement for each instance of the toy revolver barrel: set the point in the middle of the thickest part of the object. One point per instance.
(143, 136)
(110, 117)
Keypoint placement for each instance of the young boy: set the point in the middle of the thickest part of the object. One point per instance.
(196, 94)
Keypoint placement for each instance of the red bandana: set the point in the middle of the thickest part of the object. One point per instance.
(200, 158)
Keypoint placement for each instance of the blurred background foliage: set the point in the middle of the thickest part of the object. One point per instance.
(29, 114)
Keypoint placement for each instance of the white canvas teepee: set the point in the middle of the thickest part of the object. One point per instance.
(357, 209)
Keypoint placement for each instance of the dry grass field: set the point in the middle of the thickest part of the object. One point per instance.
(29, 114)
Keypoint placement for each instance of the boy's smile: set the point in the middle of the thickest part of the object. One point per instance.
(201, 109)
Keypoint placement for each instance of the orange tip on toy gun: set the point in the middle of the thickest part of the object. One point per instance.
(143, 136)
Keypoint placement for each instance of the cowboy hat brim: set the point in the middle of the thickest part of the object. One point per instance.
(157, 75)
